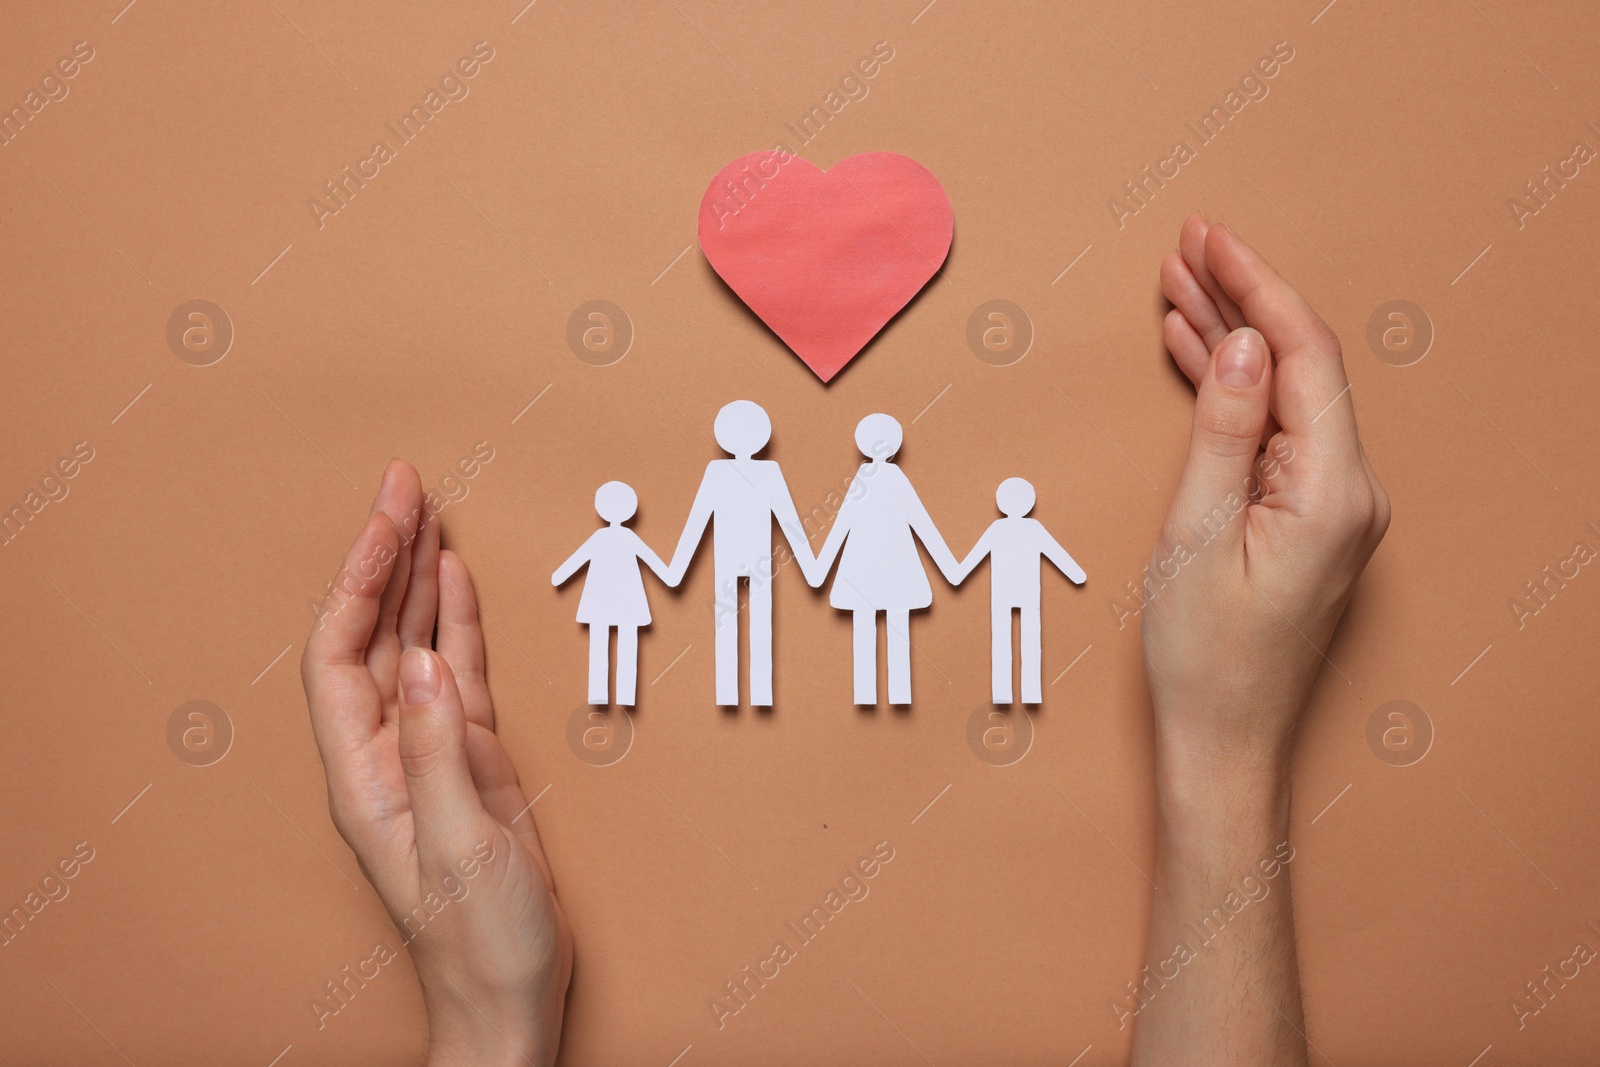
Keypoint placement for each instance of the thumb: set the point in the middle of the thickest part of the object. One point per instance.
(445, 807)
(1230, 414)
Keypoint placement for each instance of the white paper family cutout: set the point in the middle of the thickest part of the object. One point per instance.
(879, 568)
(613, 592)
(1015, 547)
(872, 539)
(739, 498)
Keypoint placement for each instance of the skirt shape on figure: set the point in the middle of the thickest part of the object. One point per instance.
(879, 566)
(613, 591)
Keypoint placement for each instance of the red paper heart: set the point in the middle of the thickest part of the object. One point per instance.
(826, 258)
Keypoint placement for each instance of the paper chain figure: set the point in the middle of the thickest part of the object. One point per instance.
(613, 593)
(871, 540)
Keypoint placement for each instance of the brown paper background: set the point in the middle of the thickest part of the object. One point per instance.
(428, 313)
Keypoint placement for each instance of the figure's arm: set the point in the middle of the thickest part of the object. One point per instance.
(922, 523)
(835, 541)
(965, 568)
(693, 530)
(794, 532)
(1059, 556)
(574, 561)
(653, 561)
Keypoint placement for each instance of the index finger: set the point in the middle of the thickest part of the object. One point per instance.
(345, 621)
(1309, 389)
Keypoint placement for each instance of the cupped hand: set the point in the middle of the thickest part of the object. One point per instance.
(422, 791)
(1273, 520)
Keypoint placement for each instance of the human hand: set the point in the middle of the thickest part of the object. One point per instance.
(1260, 550)
(1253, 567)
(422, 791)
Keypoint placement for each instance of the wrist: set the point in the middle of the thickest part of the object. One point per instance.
(1218, 796)
(484, 1046)
(462, 1032)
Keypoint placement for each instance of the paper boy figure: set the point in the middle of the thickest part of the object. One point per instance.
(613, 592)
(1015, 545)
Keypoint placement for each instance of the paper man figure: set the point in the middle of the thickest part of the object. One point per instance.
(1014, 546)
(613, 592)
(880, 569)
(743, 495)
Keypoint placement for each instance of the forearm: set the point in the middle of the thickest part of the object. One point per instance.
(1221, 982)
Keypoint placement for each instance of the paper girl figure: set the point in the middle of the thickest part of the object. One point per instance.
(613, 592)
(1015, 545)
(880, 569)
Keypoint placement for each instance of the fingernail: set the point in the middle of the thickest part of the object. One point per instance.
(419, 676)
(1241, 359)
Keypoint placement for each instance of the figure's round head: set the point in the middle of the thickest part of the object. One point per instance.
(878, 436)
(1015, 497)
(616, 502)
(742, 428)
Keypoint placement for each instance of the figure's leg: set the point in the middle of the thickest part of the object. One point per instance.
(599, 663)
(1000, 653)
(627, 665)
(899, 624)
(1032, 665)
(728, 643)
(760, 608)
(866, 657)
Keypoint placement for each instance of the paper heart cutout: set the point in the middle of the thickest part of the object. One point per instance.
(825, 258)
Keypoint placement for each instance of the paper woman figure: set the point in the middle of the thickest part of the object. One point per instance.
(879, 568)
(1015, 545)
(613, 592)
